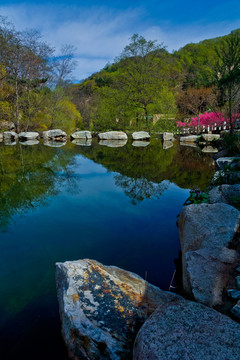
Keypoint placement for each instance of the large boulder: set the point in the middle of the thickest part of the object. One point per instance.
(102, 308)
(206, 231)
(223, 162)
(29, 135)
(210, 137)
(140, 135)
(82, 135)
(55, 135)
(225, 194)
(184, 330)
(10, 136)
(113, 135)
(189, 139)
(168, 136)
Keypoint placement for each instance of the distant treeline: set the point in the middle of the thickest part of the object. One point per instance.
(146, 83)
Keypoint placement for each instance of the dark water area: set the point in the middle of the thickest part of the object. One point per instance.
(115, 205)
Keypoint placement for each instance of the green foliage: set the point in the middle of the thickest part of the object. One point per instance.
(231, 143)
(197, 197)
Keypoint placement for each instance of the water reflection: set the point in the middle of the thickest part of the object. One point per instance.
(113, 143)
(140, 143)
(82, 142)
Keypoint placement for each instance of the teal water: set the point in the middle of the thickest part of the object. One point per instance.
(116, 205)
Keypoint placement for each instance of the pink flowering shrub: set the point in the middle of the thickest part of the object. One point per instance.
(208, 118)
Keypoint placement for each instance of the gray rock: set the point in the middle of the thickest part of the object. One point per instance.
(167, 144)
(209, 149)
(82, 142)
(211, 137)
(55, 135)
(102, 307)
(30, 142)
(225, 177)
(113, 135)
(224, 193)
(167, 136)
(140, 143)
(113, 143)
(189, 139)
(30, 135)
(140, 135)
(205, 232)
(82, 135)
(10, 135)
(236, 311)
(184, 330)
(234, 294)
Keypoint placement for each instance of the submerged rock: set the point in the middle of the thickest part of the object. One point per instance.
(168, 136)
(102, 308)
(30, 142)
(140, 143)
(56, 135)
(184, 330)
(210, 137)
(30, 135)
(113, 143)
(54, 143)
(10, 136)
(206, 230)
(82, 135)
(82, 142)
(113, 135)
(167, 144)
(209, 149)
(189, 139)
(140, 135)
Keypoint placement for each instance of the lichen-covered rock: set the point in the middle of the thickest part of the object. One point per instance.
(184, 330)
(113, 135)
(55, 135)
(113, 143)
(140, 135)
(168, 136)
(82, 135)
(224, 193)
(9, 136)
(211, 137)
(189, 139)
(102, 308)
(206, 230)
(223, 162)
(28, 135)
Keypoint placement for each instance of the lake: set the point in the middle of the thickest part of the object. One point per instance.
(115, 205)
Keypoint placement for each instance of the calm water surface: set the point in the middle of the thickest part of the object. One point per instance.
(115, 205)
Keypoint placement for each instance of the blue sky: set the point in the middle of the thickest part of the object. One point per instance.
(100, 29)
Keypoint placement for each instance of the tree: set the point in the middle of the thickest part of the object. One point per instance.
(140, 74)
(228, 71)
(194, 101)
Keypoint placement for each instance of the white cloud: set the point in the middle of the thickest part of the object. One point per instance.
(100, 34)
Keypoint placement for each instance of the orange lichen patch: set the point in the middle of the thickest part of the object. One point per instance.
(105, 284)
(108, 291)
(75, 297)
(86, 275)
